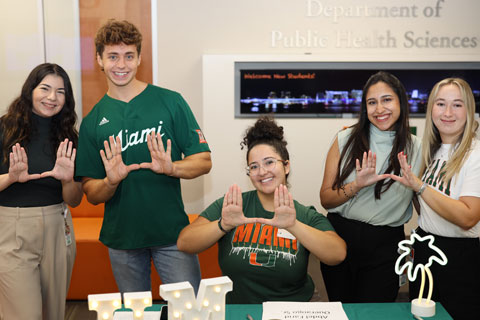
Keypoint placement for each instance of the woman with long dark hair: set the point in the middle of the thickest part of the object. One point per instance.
(366, 209)
(37, 244)
(449, 197)
(264, 236)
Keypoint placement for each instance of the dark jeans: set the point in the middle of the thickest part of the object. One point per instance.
(368, 272)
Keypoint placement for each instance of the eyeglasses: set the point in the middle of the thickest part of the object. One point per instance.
(268, 164)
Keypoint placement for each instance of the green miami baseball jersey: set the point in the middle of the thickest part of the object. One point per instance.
(147, 208)
(264, 263)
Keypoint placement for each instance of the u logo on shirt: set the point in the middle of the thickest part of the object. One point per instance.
(262, 245)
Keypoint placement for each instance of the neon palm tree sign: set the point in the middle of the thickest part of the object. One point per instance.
(420, 307)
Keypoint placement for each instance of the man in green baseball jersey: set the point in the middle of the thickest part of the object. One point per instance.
(122, 161)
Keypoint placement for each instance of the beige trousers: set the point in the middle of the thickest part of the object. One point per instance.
(35, 262)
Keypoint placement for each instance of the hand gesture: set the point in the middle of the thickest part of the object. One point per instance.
(407, 178)
(161, 158)
(115, 169)
(285, 215)
(232, 210)
(366, 173)
(18, 169)
(65, 163)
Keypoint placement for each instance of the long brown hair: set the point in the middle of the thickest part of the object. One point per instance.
(16, 124)
(359, 140)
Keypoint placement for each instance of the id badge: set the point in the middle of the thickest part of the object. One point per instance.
(68, 232)
(402, 278)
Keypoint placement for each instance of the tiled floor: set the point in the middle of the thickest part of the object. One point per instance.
(78, 310)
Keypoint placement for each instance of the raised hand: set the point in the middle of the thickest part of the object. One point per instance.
(366, 173)
(161, 158)
(18, 169)
(407, 177)
(115, 169)
(285, 215)
(65, 163)
(232, 210)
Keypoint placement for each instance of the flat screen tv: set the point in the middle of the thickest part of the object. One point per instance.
(334, 89)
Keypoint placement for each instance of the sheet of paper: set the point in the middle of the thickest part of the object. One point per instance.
(280, 310)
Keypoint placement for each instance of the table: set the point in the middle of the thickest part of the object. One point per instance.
(378, 311)
(354, 311)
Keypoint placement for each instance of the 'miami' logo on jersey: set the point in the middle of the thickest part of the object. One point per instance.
(260, 244)
(128, 139)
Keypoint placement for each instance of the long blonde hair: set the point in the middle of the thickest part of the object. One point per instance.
(432, 141)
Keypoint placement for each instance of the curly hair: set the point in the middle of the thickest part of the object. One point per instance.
(17, 126)
(266, 131)
(116, 32)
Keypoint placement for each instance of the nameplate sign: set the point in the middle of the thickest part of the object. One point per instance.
(280, 310)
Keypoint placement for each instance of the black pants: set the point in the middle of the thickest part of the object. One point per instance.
(457, 284)
(368, 272)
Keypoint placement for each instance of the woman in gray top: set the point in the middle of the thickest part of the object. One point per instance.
(366, 209)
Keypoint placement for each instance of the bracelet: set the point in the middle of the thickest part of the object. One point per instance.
(345, 193)
(351, 190)
(343, 189)
(220, 226)
(422, 188)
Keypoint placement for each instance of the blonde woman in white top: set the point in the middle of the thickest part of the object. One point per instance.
(449, 196)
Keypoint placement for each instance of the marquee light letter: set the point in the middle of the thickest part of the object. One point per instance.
(208, 305)
(104, 304)
(137, 301)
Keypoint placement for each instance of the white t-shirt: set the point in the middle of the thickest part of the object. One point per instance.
(465, 183)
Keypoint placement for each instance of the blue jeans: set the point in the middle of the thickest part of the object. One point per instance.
(131, 268)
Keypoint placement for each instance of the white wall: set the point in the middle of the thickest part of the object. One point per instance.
(33, 32)
(18, 40)
(62, 42)
(229, 30)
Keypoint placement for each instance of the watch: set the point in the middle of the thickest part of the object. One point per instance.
(422, 188)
